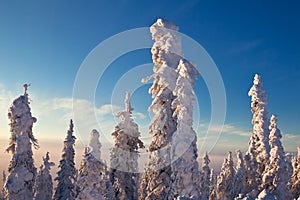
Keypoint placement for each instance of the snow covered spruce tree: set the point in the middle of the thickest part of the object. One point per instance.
(66, 176)
(239, 180)
(124, 155)
(186, 175)
(44, 184)
(205, 183)
(93, 181)
(166, 53)
(296, 176)
(275, 177)
(21, 171)
(257, 155)
(225, 181)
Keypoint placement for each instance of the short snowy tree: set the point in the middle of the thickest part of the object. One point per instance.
(275, 177)
(21, 171)
(296, 176)
(43, 183)
(250, 169)
(93, 182)
(184, 148)
(213, 187)
(225, 181)
(205, 183)
(66, 176)
(259, 149)
(124, 155)
(239, 180)
(166, 53)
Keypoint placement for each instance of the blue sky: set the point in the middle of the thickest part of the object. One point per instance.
(45, 42)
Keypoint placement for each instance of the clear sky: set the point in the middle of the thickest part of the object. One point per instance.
(45, 42)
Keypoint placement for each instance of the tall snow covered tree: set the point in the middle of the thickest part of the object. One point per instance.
(124, 155)
(21, 171)
(93, 181)
(166, 53)
(296, 176)
(66, 176)
(239, 180)
(275, 177)
(44, 184)
(259, 148)
(186, 175)
(205, 183)
(225, 187)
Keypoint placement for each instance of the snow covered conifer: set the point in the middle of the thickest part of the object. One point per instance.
(225, 187)
(213, 187)
(239, 180)
(250, 163)
(44, 184)
(166, 54)
(275, 177)
(93, 181)
(296, 176)
(184, 148)
(124, 155)
(205, 183)
(259, 148)
(66, 176)
(21, 171)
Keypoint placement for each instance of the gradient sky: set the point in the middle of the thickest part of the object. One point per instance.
(45, 42)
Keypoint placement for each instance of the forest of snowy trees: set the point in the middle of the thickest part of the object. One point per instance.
(263, 172)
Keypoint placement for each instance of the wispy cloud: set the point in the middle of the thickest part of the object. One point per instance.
(245, 46)
(226, 128)
(288, 136)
